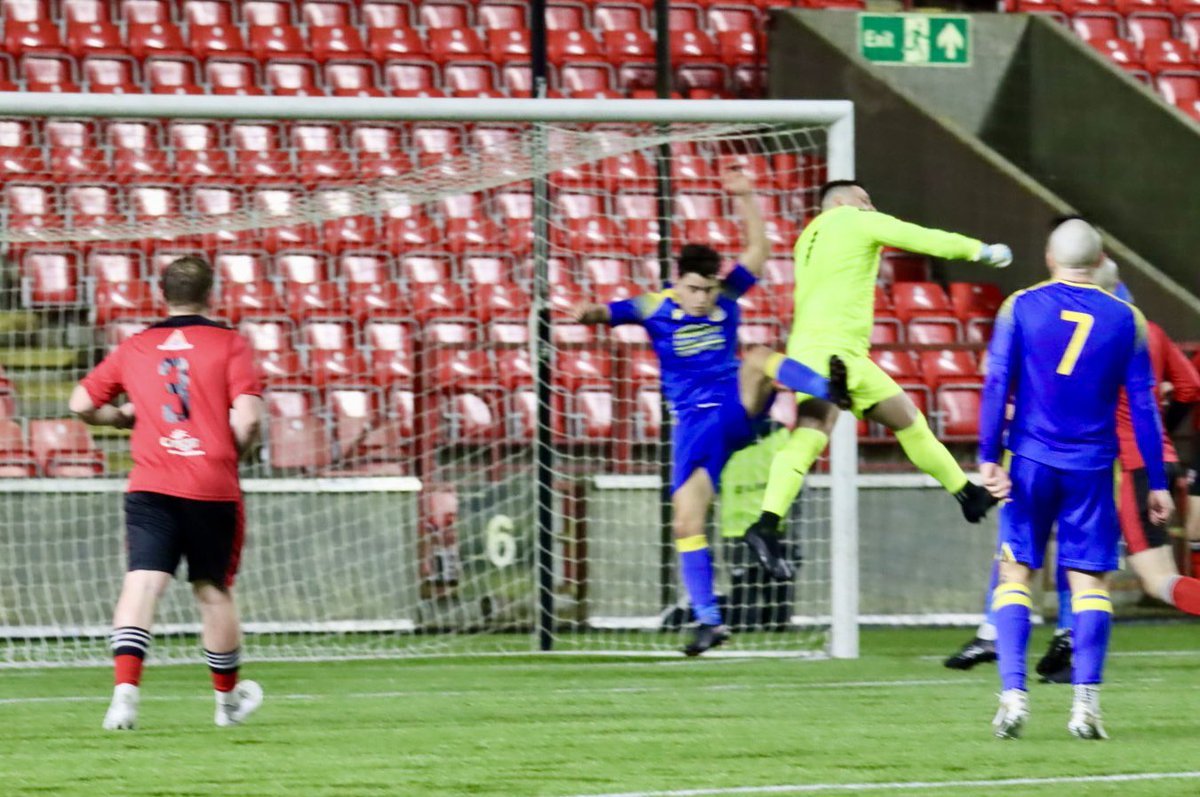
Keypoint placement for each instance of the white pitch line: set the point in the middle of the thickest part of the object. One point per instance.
(911, 785)
(633, 689)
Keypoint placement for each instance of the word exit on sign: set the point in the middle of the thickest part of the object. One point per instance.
(915, 39)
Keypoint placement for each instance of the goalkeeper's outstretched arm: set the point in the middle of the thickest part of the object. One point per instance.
(891, 231)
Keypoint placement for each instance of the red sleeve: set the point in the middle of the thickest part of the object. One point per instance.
(1181, 373)
(104, 384)
(242, 379)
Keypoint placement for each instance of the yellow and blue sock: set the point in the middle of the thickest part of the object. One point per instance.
(924, 450)
(1011, 604)
(1093, 624)
(1066, 615)
(696, 568)
(795, 375)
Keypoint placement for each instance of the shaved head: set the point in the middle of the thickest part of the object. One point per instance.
(1107, 275)
(845, 192)
(1074, 244)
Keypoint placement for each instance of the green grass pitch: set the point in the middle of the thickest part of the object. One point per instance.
(566, 726)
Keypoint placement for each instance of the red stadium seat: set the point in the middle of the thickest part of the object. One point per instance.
(457, 369)
(353, 80)
(380, 150)
(441, 15)
(267, 334)
(353, 410)
(626, 46)
(950, 367)
(158, 205)
(725, 19)
(323, 13)
(618, 16)
(572, 45)
(75, 12)
(434, 142)
(975, 300)
(1097, 27)
(692, 46)
(19, 155)
(388, 14)
(65, 444)
(738, 47)
(94, 38)
(886, 330)
(91, 205)
(921, 300)
(31, 206)
(144, 12)
(455, 44)
(565, 15)
(500, 300)
(1159, 55)
(260, 151)
(113, 300)
(207, 12)
(439, 299)
(137, 150)
(509, 45)
(223, 39)
(514, 366)
(284, 401)
(31, 37)
(933, 332)
(199, 150)
(233, 76)
(392, 360)
(240, 300)
(595, 234)
(958, 408)
(49, 72)
(648, 416)
(357, 268)
(502, 15)
(299, 443)
(16, 459)
(1127, 7)
(722, 234)
(293, 78)
(50, 279)
(300, 268)
(172, 76)
(517, 79)
(215, 201)
(474, 417)
(1144, 28)
(336, 41)
(113, 265)
(1178, 88)
(1120, 51)
(486, 269)
(276, 41)
(321, 153)
(592, 416)
(268, 12)
(156, 38)
(316, 300)
(395, 43)
(105, 75)
(411, 79)
(377, 300)
(469, 79)
(240, 267)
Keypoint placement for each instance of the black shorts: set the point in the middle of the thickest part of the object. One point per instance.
(1134, 509)
(162, 529)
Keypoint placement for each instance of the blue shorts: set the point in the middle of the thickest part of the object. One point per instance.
(706, 437)
(1081, 502)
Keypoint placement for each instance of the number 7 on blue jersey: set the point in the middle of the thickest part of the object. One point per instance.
(1083, 327)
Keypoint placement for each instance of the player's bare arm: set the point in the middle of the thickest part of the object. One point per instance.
(246, 421)
(591, 313)
(739, 185)
(104, 415)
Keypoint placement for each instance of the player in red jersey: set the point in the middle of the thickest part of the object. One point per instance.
(1193, 502)
(182, 377)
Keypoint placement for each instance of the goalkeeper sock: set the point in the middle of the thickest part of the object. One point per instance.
(927, 453)
(795, 375)
(1011, 605)
(789, 467)
(129, 647)
(1183, 593)
(1093, 622)
(1194, 550)
(1066, 614)
(696, 568)
(224, 668)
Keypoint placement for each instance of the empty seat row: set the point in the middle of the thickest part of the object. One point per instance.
(60, 447)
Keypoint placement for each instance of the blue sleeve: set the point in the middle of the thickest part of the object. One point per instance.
(1147, 426)
(625, 311)
(1002, 352)
(739, 281)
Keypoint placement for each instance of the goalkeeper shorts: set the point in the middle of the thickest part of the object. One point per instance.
(868, 383)
(163, 529)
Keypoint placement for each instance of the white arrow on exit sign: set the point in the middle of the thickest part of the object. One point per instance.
(950, 41)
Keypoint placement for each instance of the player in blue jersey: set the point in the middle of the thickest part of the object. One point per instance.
(719, 402)
(1061, 351)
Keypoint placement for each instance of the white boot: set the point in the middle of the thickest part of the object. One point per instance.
(235, 706)
(122, 712)
(1012, 715)
(1085, 713)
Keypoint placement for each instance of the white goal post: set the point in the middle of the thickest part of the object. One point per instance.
(593, 130)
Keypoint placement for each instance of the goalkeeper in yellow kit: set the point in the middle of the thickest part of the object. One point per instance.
(837, 263)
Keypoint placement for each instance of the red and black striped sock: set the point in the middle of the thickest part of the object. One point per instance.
(224, 668)
(129, 647)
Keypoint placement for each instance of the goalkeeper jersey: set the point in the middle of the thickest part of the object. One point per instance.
(837, 263)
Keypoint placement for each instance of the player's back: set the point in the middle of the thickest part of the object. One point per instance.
(837, 263)
(1071, 353)
(182, 376)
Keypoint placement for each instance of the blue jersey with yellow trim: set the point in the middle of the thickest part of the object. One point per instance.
(1062, 351)
(698, 354)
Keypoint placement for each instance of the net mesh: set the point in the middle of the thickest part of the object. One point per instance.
(384, 276)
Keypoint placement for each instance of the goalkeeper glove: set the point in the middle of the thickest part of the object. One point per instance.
(996, 255)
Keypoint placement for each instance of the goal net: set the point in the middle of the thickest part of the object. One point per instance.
(450, 464)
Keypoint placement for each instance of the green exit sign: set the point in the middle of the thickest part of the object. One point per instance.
(915, 39)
